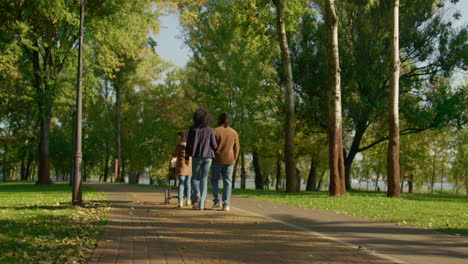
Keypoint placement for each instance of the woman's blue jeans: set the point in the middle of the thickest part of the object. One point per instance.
(185, 187)
(200, 168)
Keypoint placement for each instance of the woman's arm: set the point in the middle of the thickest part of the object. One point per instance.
(213, 143)
(189, 146)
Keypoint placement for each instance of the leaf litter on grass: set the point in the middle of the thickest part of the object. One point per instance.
(49, 230)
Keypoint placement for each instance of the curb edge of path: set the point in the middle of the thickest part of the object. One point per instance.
(326, 237)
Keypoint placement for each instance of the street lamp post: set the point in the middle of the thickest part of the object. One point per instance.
(76, 195)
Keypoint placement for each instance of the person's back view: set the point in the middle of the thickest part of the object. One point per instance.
(201, 146)
(228, 145)
(225, 159)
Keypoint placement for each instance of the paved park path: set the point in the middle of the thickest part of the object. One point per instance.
(142, 229)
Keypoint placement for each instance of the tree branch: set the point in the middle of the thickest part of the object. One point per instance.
(402, 133)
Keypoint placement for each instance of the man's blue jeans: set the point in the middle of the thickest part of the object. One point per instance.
(226, 171)
(185, 185)
(200, 169)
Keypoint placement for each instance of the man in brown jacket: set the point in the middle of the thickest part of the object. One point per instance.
(225, 159)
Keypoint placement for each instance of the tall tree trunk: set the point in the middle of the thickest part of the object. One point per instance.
(101, 175)
(442, 177)
(44, 113)
(123, 171)
(57, 175)
(28, 167)
(72, 160)
(23, 167)
(234, 174)
(433, 172)
(44, 155)
(290, 126)
(402, 185)
(348, 163)
(33, 169)
(299, 178)
(335, 134)
(259, 180)
(106, 165)
(118, 154)
(361, 127)
(85, 169)
(312, 179)
(5, 161)
(466, 181)
(103, 167)
(410, 183)
(393, 158)
(278, 173)
(243, 172)
(377, 177)
(367, 181)
(319, 184)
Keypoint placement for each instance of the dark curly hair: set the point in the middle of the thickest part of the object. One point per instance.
(202, 118)
(224, 120)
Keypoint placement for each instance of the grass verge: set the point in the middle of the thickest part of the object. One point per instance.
(442, 212)
(38, 224)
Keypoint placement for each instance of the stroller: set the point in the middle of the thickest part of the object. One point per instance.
(171, 176)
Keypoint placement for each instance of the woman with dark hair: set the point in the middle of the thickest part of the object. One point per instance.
(225, 159)
(183, 169)
(201, 146)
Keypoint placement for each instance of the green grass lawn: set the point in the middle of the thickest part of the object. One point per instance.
(38, 225)
(441, 212)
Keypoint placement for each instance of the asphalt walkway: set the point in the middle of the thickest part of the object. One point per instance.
(400, 244)
(142, 229)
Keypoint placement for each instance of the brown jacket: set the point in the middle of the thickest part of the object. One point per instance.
(228, 145)
(183, 165)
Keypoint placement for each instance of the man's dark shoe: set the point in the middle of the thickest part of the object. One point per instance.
(196, 203)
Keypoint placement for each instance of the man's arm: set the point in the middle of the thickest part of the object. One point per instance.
(236, 147)
(213, 143)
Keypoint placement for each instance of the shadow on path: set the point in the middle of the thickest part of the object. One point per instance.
(142, 229)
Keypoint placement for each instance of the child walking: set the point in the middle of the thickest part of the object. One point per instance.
(183, 169)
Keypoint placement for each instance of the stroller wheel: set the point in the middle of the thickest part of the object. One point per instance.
(166, 196)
